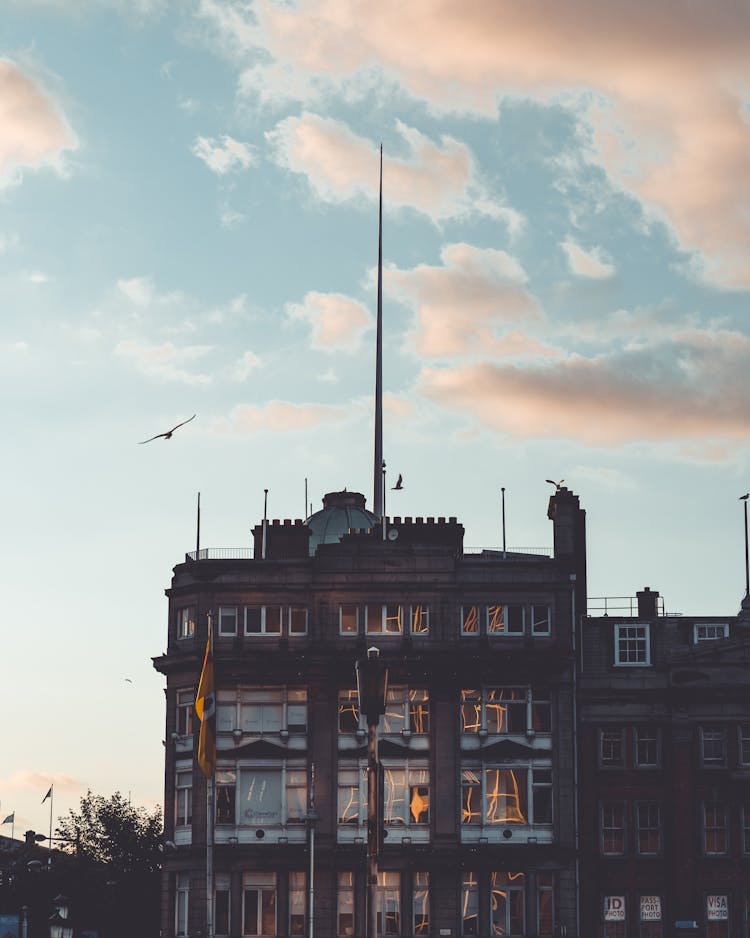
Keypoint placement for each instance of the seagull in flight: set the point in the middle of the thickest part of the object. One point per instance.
(399, 483)
(168, 434)
(557, 485)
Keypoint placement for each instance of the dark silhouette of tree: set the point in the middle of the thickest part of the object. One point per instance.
(112, 832)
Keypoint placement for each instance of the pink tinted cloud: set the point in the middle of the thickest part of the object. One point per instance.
(439, 179)
(338, 322)
(166, 362)
(690, 389)
(33, 131)
(669, 76)
(460, 304)
(280, 417)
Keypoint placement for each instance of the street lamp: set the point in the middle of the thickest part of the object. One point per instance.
(372, 688)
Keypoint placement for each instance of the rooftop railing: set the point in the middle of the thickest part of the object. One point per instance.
(626, 606)
(246, 553)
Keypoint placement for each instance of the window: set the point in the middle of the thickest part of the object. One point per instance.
(611, 748)
(406, 795)
(186, 622)
(713, 746)
(745, 827)
(384, 618)
(345, 905)
(470, 905)
(507, 901)
(648, 822)
(226, 796)
(348, 711)
(505, 620)
(184, 799)
(348, 619)
(420, 904)
(407, 710)
(259, 904)
(261, 711)
(647, 747)
(297, 620)
(352, 807)
(388, 904)
(185, 711)
(744, 753)
(708, 632)
(717, 916)
(182, 896)
(613, 917)
(715, 841)
(495, 795)
(470, 621)
(501, 710)
(613, 828)
(221, 904)
(263, 796)
(545, 886)
(540, 619)
(263, 620)
(632, 645)
(419, 619)
(541, 781)
(228, 620)
(296, 904)
(650, 917)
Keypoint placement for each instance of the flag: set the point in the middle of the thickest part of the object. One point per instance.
(205, 708)
(49, 794)
(10, 818)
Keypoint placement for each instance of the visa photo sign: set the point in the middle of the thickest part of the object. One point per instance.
(614, 908)
(717, 908)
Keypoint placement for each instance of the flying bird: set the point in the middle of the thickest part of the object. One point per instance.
(128, 680)
(744, 498)
(557, 485)
(399, 483)
(168, 434)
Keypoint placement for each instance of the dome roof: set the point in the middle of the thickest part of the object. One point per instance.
(341, 512)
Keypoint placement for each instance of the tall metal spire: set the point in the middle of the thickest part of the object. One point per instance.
(377, 500)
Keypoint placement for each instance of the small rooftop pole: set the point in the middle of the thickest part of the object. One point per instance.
(265, 524)
(503, 494)
(198, 530)
(744, 499)
(378, 460)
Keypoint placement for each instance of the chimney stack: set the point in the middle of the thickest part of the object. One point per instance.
(648, 601)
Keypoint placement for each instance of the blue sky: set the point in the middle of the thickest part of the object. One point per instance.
(188, 224)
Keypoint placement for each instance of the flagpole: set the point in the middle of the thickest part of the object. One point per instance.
(377, 500)
(198, 530)
(210, 788)
(51, 799)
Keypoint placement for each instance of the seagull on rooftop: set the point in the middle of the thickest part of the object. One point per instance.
(744, 498)
(557, 485)
(168, 434)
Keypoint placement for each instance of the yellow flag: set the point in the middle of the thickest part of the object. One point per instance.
(205, 708)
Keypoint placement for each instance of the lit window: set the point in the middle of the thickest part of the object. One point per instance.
(507, 903)
(545, 885)
(296, 904)
(710, 631)
(348, 619)
(540, 619)
(493, 795)
(184, 799)
(261, 711)
(221, 904)
(611, 749)
(259, 904)
(613, 828)
(714, 828)
(501, 710)
(185, 711)
(388, 904)
(419, 618)
(647, 747)
(186, 622)
(632, 645)
(228, 620)
(297, 620)
(226, 788)
(262, 620)
(385, 618)
(470, 620)
(352, 786)
(713, 746)
(648, 820)
(505, 620)
(406, 795)
(406, 710)
(261, 797)
(348, 711)
(345, 905)
(420, 904)
(182, 896)
(470, 905)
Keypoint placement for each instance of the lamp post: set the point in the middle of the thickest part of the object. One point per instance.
(744, 499)
(372, 687)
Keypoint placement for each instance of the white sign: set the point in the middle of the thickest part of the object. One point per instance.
(614, 908)
(650, 908)
(717, 908)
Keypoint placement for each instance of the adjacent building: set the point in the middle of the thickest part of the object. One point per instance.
(477, 744)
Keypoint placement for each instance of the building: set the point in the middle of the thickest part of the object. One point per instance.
(477, 744)
(664, 743)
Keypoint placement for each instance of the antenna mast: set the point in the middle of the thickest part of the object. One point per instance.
(378, 461)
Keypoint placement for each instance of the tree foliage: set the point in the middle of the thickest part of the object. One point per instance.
(112, 832)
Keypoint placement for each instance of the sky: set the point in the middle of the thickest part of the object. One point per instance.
(188, 225)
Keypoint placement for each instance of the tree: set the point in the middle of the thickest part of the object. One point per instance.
(113, 833)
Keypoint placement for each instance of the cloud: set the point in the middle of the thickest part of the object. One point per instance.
(222, 155)
(33, 131)
(338, 322)
(661, 84)
(165, 362)
(280, 417)
(606, 477)
(139, 290)
(25, 779)
(460, 305)
(692, 388)
(587, 263)
(440, 180)
(242, 368)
